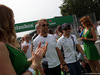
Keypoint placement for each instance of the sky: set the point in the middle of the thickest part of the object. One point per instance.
(31, 10)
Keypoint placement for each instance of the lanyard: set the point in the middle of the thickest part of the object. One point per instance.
(74, 46)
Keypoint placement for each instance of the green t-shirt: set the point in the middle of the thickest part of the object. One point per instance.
(18, 59)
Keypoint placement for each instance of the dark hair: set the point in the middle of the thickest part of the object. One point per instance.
(50, 31)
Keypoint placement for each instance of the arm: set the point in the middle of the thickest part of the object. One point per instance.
(80, 49)
(62, 59)
(92, 32)
(40, 69)
(82, 52)
(31, 47)
(37, 57)
(60, 56)
(24, 48)
(6, 67)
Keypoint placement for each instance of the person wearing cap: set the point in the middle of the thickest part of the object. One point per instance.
(35, 35)
(69, 43)
(37, 31)
(53, 57)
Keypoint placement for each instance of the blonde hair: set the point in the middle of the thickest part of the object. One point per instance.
(26, 35)
(39, 22)
(7, 29)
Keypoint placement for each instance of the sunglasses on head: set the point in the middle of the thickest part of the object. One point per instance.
(45, 25)
(67, 28)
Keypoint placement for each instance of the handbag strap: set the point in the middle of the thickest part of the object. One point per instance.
(62, 50)
(74, 46)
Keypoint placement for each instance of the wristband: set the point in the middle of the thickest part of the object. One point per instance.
(84, 55)
(64, 64)
(31, 70)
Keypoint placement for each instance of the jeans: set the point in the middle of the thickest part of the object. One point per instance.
(53, 71)
(75, 68)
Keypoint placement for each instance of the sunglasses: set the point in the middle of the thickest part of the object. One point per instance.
(27, 37)
(45, 25)
(67, 28)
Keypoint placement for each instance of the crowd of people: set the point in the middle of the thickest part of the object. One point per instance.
(47, 52)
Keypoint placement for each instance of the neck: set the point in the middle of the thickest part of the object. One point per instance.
(66, 35)
(88, 27)
(27, 41)
(43, 34)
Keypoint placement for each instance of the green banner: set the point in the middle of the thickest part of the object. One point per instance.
(20, 27)
(60, 20)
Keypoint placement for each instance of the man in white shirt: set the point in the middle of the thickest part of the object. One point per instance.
(56, 34)
(51, 63)
(68, 43)
(98, 29)
(27, 45)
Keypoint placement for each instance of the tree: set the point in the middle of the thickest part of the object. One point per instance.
(80, 7)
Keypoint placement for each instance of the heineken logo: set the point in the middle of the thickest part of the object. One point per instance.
(50, 20)
(25, 26)
(53, 23)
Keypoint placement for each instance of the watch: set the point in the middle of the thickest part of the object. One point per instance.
(84, 55)
(31, 70)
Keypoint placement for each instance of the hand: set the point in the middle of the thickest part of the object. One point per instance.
(41, 50)
(82, 38)
(25, 48)
(62, 69)
(66, 68)
(37, 56)
(86, 60)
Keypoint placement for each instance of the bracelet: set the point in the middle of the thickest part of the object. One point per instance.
(64, 64)
(31, 70)
(84, 55)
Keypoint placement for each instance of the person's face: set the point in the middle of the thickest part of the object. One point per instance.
(84, 24)
(67, 30)
(27, 38)
(44, 26)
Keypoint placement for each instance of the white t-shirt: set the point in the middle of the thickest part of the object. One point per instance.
(28, 53)
(56, 36)
(98, 29)
(51, 54)
(68, 48)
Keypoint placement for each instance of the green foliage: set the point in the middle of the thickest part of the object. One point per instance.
(80, 7)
